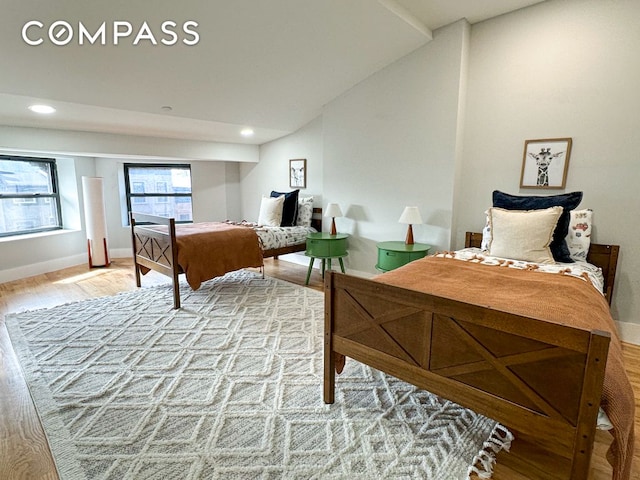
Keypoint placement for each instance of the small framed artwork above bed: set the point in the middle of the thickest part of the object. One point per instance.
(298, 173)
(545, 163)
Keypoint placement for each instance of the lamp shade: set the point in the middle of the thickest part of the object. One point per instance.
(410, 215)
(333, 210)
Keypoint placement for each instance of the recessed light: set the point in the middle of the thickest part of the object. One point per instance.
(42, 109)
(246, 132)
(166, 108)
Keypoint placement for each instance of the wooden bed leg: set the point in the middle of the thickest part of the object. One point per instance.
(586, 430)
(329, 355)
(132, 223)
(137, 271)
(176, 293)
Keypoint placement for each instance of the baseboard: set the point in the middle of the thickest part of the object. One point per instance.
(629, 332)
(120, 253)
(39, 268)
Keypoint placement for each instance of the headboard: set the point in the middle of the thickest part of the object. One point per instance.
(316, 218)
(603, 256)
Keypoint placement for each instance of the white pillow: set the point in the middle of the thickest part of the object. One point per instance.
(305, 211)
(579, 235)
(523, 234)
(271, 211)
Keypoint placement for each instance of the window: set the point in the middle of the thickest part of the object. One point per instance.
(159, 189)
(29, 198)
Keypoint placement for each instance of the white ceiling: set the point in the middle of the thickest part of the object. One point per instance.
(266, 64)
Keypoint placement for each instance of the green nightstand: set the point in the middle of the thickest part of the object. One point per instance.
(325, 246)
(392, 255)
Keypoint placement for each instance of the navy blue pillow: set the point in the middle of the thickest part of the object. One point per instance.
(568, 201)
(290, 207)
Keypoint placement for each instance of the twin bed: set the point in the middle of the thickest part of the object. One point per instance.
(206, 250)
(537, 352)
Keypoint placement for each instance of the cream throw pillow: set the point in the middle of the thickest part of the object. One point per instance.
(271, 211)
(523, 234)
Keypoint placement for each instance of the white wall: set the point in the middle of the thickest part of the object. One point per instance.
(445, 126)
(560, 69)
(272, 172)
(391, 142)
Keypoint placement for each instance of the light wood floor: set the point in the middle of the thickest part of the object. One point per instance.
(24, 453)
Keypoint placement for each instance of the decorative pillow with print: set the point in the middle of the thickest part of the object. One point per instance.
(305, 211)
(579, 236)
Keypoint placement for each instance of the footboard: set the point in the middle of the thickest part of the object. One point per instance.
(539, 379)
(155, 249)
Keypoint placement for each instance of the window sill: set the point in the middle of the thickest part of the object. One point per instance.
(28, 236)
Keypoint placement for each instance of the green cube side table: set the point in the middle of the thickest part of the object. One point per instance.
(392, 255)
(324, 246)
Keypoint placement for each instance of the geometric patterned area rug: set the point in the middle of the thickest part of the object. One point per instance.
(228, 387)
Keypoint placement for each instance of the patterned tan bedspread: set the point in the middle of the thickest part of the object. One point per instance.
(556, 298)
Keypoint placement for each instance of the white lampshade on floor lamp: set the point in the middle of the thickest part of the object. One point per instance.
(410, 216)
(95, 221)
(333, 211)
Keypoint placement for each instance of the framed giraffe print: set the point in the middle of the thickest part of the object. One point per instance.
(545, 163)
(298, 173)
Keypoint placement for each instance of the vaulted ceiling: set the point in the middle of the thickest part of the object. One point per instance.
(266, 64)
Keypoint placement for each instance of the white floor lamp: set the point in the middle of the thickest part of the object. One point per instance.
(95, 221)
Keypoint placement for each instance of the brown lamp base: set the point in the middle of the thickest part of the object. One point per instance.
(409, 239)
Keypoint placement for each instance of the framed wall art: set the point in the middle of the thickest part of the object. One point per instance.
(298, 173)
(545, 163)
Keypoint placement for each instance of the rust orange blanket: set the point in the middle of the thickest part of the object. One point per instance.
(553, 297)
(210, 249)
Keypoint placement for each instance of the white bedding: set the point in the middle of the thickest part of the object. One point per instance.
(279, 237)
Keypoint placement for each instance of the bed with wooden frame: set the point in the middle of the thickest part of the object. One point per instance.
(402, 332)
(157, 250)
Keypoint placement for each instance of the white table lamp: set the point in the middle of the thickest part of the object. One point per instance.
(410, 215)
(333, 211)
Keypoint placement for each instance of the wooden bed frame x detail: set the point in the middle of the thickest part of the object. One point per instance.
(360, 313)
(158, 250)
